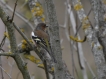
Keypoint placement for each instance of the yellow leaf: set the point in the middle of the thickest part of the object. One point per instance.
(24, 42)
(41, 66)
(23, 46)
(6, 34)
(31, 41)
(22, 30)
(78, 6)
(77, 40)
(32, 58)
(43, 19)
(52, 69)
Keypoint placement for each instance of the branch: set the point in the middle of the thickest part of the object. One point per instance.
(92, 39)
(80, 49)
(17, 14)
(26, 50)
(67, 31)
(37, 11)
(90, 69)
(14, 11)
(7, 54)
(19, 62)
(32, 47)
(26, 39)
(2, 76)
(55, 39)
(22, 34)
(11, 66)
(99, 8)
(46, 69)
(5, 72)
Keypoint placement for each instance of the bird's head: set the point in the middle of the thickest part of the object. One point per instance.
(41, 26)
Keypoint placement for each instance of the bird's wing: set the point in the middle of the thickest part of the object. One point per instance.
(43, 41)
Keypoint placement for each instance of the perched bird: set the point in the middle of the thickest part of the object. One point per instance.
(41, 38)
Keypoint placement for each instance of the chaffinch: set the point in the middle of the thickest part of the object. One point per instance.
(41, 38)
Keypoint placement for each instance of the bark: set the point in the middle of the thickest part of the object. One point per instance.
(60, 67)
(92, 39)
(79, 48)
(100, 23)
(38, 15)
(100, 27)
(55, 39)
(21, 65)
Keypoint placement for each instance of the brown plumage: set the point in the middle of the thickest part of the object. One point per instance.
(41, 34)
(40, 37)
(40, 31)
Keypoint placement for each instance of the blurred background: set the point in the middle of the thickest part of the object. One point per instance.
(23, 9)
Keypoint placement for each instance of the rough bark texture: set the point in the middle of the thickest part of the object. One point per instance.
(38, 15)
(54, 39)
(21, 65)
(100, 23)
(92, 39)
(102, 26)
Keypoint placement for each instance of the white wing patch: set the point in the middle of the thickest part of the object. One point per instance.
(35, 38)
(33, 34)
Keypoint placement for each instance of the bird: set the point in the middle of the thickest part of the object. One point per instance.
(41, 38)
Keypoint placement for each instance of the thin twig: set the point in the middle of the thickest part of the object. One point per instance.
(30, 45)
(6, 54)
(94, 76)
(12, 65)
(22, 34)
(72, 57)
(46, 69)
(81, 23)
(1, 69)
(6, 72)
(76, 71)
(72, 19)
(22, 6)
(14, 11)
(2, 50)
(13, 44)
(2, 42)
(1, 45)
(71, 47)
(92, 38)
(17, 14)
